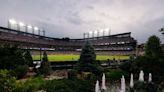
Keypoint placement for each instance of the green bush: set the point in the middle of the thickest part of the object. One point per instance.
(68, 86)
(116, 75)
(57, 86)
(30, 85)
(21, 71)
(7, 82)
(44, 69)
(72, 74)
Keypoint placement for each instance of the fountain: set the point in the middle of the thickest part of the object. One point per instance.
(103, 82)
(150, 77)
(131, 81)
(115, 87)
(123, 86)
(97, 87)
(141, 76)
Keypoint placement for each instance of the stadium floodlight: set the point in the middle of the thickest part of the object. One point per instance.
(90, 32)
(36, 28)
(107, 29)
(21, 24)
(101, 30)
(95, 32)
(29, 26)
(12, 21)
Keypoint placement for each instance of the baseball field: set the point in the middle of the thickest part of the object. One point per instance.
(53, 58)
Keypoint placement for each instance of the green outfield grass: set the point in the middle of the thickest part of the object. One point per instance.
(53, 58)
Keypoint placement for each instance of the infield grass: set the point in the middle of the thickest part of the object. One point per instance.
(53, 58)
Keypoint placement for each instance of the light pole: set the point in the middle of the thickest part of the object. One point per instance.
(35, 29)
(87, 35)
(21, 24)
(96, 34)
(107, 30)
(44, 34)
(90, 34)
(12, 22)
(84, 36)
(102, 31)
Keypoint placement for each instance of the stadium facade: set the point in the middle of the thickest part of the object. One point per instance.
(118, 44)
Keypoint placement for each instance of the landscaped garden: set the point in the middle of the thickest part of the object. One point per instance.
(15, 63)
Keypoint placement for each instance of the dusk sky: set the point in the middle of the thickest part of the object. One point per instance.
(72, 18)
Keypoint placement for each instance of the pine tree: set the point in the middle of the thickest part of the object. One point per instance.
(45, 57)
(162, 30)
(87, 61)
(28, 59)
(153, 47)
(45, 67)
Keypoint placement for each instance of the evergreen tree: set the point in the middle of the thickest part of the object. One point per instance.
(45, 67)
(28, 58)
(87, 61)
(151, 62)
(153, 47)
(45, 57)
(162, 30)
(10, 57)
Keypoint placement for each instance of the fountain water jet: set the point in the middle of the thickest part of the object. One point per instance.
(150, 77)
(141, 76)
(123, 85)
(103, 82)
(97, 87)
(131, 81)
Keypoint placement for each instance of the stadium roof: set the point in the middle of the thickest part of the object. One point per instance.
(66, 38)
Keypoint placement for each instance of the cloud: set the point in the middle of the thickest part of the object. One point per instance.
(71, 18)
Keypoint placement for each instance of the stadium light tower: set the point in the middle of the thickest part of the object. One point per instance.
(90, 34)
(107, 30)
(35, 29)
(44, 33)
(29, 27)
(98, 33)
(102, 31)
(87, 35)
(12, 22)
(95, 32)
(21, 24)
(84, 35)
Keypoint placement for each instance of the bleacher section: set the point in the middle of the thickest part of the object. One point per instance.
(119, 44)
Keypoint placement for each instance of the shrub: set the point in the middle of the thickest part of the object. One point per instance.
(116, 75)
(72, 74)
(30, 85)
(21, 71)
(57, 86)
(7, 82)
(28, 59)
(45, 68)
(68, 86)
